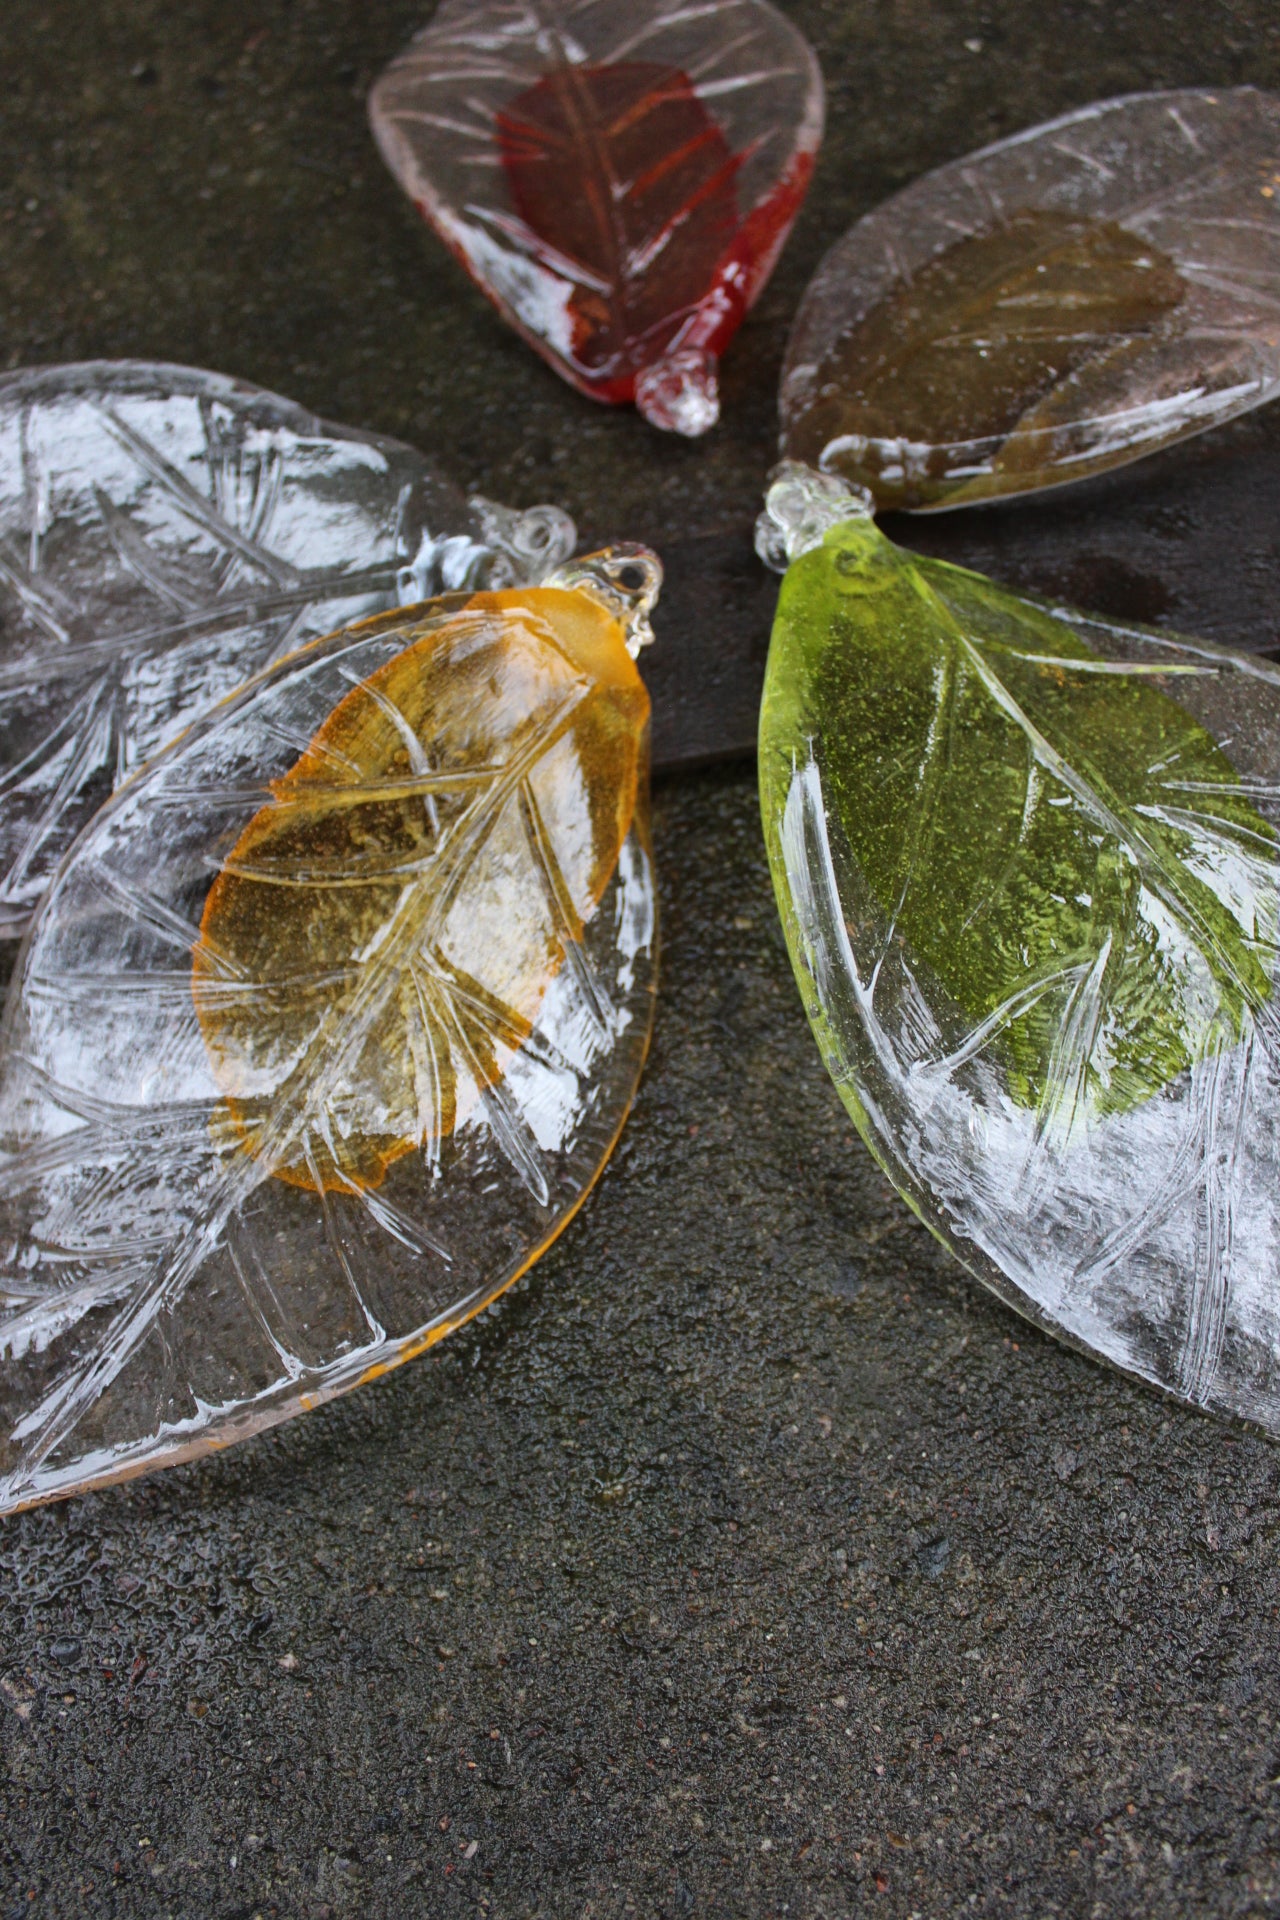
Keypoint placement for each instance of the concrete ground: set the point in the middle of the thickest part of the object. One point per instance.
(749, 1560)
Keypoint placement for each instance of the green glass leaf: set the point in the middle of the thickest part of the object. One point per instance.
(1029, 872)
(1019, 806)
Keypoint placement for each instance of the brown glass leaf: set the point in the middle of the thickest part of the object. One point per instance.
(985, 336)
(1067, 300)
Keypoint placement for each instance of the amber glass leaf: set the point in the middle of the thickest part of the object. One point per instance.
(618, 181)
(1057, 304)
(417, 880)
(324, 1030)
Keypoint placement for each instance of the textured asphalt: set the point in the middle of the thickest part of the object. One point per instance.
(749, 1560)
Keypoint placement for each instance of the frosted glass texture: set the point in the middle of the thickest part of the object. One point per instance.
(164, 534)
(1060, 303)
(326, 1026)
(619, 180)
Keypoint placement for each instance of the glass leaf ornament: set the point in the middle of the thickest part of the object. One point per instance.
(1028, 868)
(164, 534)
(618, 180)
(326, 1025)
(1060, 303)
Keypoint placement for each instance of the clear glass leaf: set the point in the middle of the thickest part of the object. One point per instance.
(1058, 304)
(164, 534)
(1028, 867)
(325, 1027)
(618, 180)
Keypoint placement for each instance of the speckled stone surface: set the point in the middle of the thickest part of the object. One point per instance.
(749, 1561)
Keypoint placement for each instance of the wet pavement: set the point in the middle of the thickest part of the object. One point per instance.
(748, 1560)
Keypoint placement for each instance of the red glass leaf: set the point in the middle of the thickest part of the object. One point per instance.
(619, 187)
(622, 169)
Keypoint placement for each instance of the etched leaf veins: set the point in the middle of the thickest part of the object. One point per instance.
(164, 534)
(323, 1032)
